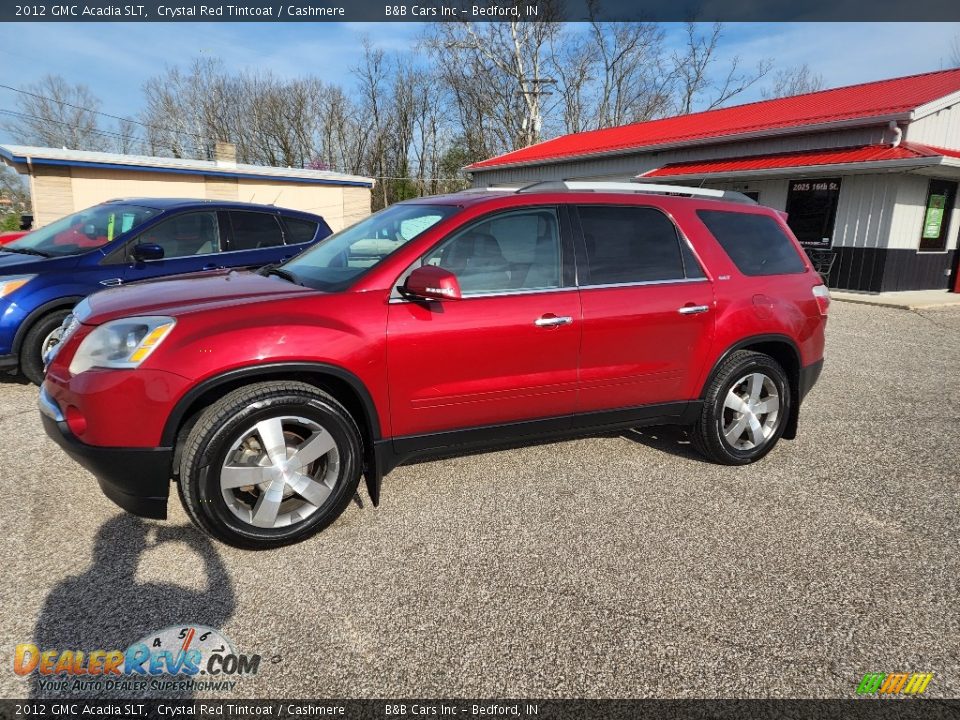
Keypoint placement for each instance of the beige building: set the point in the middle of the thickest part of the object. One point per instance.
(64, 181)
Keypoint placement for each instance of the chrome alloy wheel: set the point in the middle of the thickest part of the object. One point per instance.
(280, 471)
(49, 342)
(751, 412)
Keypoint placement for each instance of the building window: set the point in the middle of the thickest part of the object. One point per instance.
(812, 210)
(941, 195)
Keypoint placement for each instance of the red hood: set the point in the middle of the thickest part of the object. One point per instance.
(179, 296)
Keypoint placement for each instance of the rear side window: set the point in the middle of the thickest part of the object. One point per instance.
(252, 230)
(299, 231)
(756, 243)
(629, 245)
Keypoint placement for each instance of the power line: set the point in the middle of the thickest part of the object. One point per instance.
(100, 112)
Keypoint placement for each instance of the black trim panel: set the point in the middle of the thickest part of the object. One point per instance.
(177, 415)
(808, 377)
(392, 452)
(746, 342)
(136, 479)
(889, 270)
(9, 361)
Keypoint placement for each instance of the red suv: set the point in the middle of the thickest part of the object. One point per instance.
(439, 324)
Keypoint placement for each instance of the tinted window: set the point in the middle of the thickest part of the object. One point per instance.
(184, 235)
(299, 231)
(512, 251)
(85, 230)
(338, 260)
(630, 244)
(756, 243)
(252, 230)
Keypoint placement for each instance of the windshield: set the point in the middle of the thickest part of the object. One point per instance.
(341, 258)
(84, 230)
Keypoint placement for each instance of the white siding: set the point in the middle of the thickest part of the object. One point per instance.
(910, 211)
(865, 209)
(941, 129)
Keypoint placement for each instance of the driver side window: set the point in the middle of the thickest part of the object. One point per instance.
(196, 233)
(512, 251)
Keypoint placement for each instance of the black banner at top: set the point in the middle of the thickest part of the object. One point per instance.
(477, 10)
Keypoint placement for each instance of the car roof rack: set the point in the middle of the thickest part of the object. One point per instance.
(635, 187)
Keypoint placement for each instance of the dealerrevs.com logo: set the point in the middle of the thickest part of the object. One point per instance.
(174, 658)
(889, 684)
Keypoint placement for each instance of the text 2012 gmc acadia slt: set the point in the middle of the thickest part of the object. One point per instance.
(440, 323)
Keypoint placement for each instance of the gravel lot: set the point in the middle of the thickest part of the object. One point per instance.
(614, 566)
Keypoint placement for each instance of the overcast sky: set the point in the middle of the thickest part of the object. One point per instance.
(115, 59)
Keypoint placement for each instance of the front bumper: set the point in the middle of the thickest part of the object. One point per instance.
(136, 479)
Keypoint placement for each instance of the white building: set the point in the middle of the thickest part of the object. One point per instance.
(868, 173)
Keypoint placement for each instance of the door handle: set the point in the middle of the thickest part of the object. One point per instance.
(211, 266)
(111, 282)
(552, 321)
(693, 309)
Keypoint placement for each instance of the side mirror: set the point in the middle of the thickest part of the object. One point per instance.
(147, 251)
(432, 283)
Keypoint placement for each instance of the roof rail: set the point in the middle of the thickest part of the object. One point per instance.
(635, 187)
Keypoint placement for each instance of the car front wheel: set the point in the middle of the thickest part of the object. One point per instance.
(745, 409)
(270, 464)
(40, 338)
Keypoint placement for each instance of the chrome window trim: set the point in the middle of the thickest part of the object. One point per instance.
(505, 293)
(641, 283)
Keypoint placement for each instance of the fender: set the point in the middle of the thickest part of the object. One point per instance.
(791, 430)
(373, 475)
(64, 303)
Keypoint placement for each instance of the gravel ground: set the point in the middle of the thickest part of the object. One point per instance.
(613, 566)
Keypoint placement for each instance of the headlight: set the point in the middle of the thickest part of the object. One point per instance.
(13, 282)
(121, 343)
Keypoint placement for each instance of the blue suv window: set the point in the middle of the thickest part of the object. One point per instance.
(184, 235)
(299, 230)
(252, 230)
(84, 230)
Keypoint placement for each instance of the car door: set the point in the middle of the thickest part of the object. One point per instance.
(255, 238)
(507, 351)
(191, 242)
(648, 309)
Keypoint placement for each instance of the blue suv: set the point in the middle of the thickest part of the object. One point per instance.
(45, 273)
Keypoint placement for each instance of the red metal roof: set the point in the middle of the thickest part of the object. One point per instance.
(879, 99)
(812, 158)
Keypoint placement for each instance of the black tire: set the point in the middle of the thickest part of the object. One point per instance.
(707, 433)
(31, 352)
(222, 424)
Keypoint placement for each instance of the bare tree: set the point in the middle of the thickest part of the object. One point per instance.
(54, 113)
(793, 81)
(511, 61)
(698, 84)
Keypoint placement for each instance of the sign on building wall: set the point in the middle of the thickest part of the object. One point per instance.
(812, 210)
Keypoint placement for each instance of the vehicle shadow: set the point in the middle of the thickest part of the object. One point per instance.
(12, 378)
(666, 438)
(105, 608)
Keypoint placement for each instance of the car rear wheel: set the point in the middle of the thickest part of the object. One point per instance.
(270, 464)
(41, 336)
(745, 409)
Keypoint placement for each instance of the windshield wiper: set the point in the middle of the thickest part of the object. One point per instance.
(274, 269)
(25, 251)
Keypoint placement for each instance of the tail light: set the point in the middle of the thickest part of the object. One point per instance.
(822, 295)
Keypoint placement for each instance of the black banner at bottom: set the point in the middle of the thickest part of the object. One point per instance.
(406, 709)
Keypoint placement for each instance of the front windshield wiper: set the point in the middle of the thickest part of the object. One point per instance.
(275, 269)
(25, 251)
